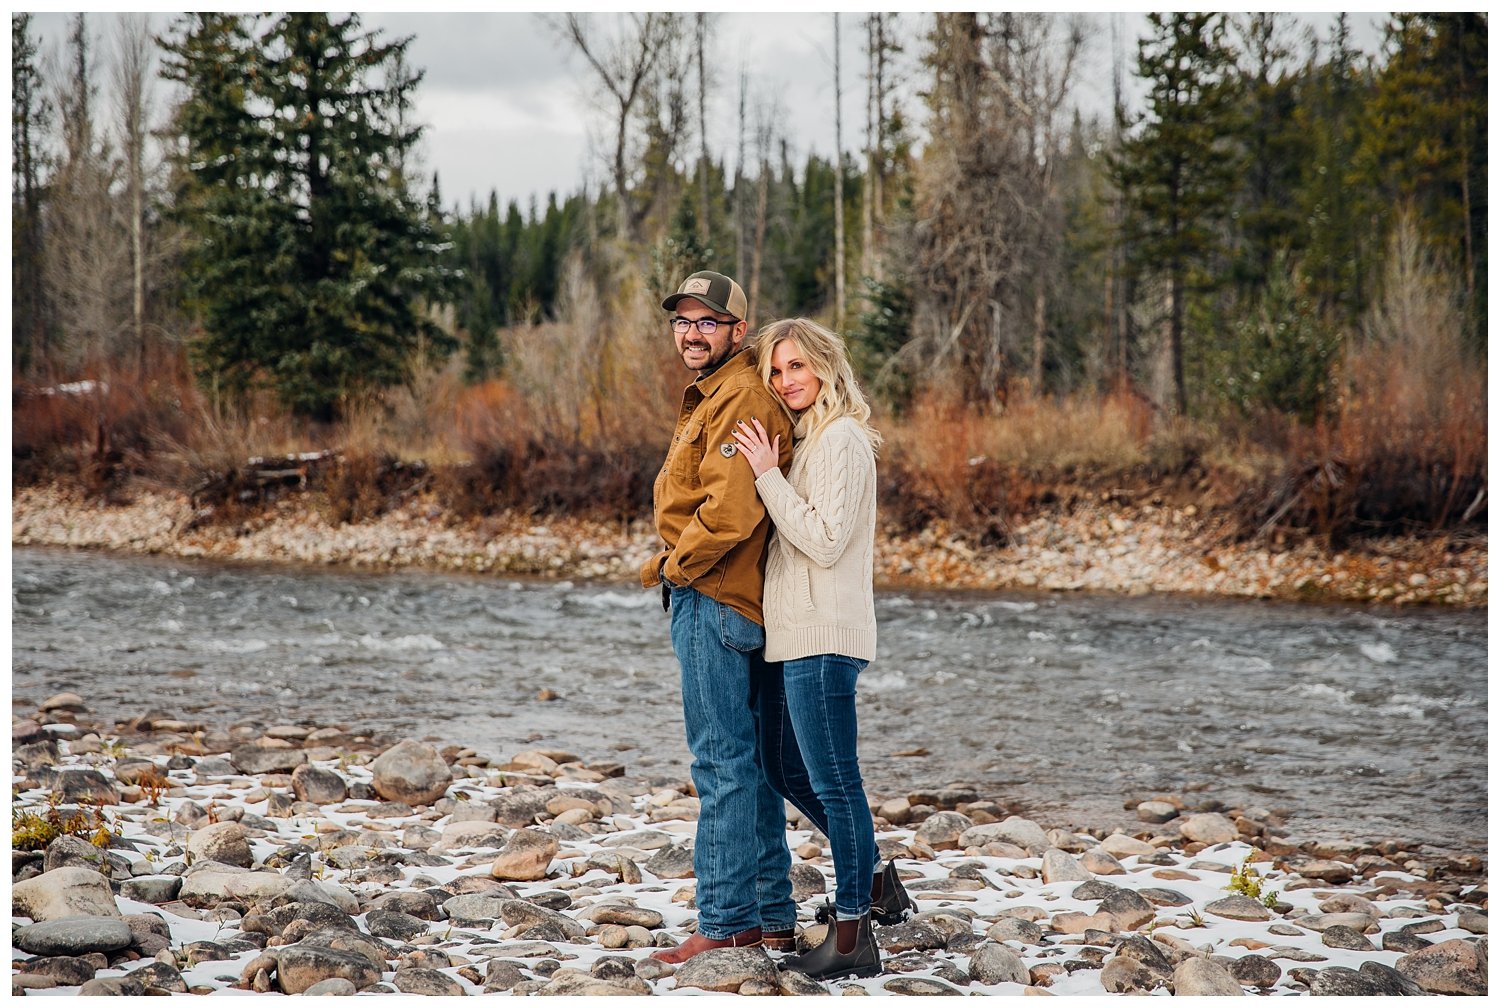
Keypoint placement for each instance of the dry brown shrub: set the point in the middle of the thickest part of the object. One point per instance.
(103, 425)
(1407, 449)
(976, 471)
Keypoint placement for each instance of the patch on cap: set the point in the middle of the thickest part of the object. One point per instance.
(696, 285)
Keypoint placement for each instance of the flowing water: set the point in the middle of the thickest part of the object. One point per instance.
(1354, 722)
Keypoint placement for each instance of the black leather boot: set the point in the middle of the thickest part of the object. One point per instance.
(826, 962)
(890, 903)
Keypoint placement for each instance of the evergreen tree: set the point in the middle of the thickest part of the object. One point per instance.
(318, 258)
(1426, 141)
(1266, 220)
(30, 119)
(237, 266)
(1179, 170)
(364, 254)
(1330, 199)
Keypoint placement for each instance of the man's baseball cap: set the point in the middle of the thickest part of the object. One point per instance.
(715, 290)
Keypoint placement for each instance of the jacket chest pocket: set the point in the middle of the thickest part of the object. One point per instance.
(687, 451)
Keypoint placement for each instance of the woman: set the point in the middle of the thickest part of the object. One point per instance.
(820, 624)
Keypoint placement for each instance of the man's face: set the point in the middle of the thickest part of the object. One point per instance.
(705, 351)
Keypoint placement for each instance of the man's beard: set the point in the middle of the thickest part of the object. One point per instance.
(714, 359)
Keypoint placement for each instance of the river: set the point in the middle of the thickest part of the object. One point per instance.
(1353, 722)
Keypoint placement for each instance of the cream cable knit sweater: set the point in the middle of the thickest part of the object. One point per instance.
(819, 592)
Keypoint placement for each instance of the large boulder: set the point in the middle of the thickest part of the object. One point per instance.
(411, 772)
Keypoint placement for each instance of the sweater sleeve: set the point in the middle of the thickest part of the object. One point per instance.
(841, 471)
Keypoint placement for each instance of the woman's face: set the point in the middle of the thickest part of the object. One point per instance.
(792, 377)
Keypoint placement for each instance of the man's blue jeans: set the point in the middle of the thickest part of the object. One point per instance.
(740, 856)
(808, 744)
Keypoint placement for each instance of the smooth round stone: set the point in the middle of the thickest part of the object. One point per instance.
(1255, 971)
(1239, 907)
(1155, 811)
(1209, 828)
(1341, 936)
(332, 987)
(73, 936)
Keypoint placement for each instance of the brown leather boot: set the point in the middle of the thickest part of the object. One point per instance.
(780, 941)
(849, 950)
(698, 943)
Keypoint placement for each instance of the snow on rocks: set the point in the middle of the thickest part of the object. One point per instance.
(542, 873)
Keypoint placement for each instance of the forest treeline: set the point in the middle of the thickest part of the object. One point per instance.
(1268, 280)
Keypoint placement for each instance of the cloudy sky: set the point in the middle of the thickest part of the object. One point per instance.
(510, 107)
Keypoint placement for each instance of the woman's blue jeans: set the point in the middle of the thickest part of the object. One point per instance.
(740, 856)
(808, 744)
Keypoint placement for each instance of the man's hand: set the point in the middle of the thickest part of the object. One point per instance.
(760, 453)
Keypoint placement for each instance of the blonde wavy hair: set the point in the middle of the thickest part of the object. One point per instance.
(828, 356)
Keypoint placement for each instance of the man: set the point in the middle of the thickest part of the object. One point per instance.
(715, 531)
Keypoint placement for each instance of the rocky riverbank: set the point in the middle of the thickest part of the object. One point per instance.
(301, 859)
(1100, 546)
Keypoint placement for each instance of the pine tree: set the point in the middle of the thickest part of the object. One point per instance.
(1426, 140)
(30, 119)
(1178, 171)
(319, 259)
(235, 268)
(1274, 148)
(1330, 197)
(364, 254)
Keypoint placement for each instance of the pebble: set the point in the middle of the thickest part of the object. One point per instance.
(1066, 549)
(334, 900)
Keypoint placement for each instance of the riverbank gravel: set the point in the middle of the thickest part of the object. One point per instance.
(287, 858)
(1100, 546)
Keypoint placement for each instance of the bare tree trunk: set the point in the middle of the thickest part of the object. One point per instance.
(700, 24)
(132, 82)
(882, 48)
(867, 191)
(30, 120)
(1174, 341)
(762, 195)
(624, 71)
(1116, 303)
(87, 252)
(838, 185)
(1038, 337)
(739, 187)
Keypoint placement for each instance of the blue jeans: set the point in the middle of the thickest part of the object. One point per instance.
(808, 744)
(740, 857)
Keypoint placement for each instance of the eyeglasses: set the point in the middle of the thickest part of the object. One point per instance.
(706, 326)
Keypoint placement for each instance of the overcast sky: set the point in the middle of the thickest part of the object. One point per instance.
(510, 107)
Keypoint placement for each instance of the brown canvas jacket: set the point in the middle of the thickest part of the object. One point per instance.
(707, 511)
